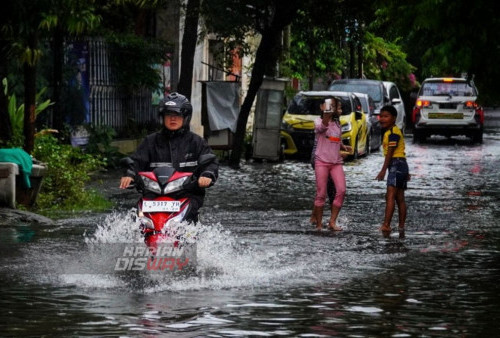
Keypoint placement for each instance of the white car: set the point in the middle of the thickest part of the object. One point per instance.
(375, 130)
(396, 100)
(447, 106)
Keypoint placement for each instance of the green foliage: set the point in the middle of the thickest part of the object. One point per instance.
(68, 172)
(314, 52)
(447, 38)
(16, 113)
(100, 143)
(386, 61)
(133, 57)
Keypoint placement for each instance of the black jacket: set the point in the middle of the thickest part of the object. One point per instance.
(180, 150)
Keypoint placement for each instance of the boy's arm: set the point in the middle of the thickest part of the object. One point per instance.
(387, 161)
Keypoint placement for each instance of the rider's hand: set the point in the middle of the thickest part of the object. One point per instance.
(125, 182)
(204, 182)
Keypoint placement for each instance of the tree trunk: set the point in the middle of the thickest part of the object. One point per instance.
(57, 118)
(360, 60)
(311, 67)
(5, 125)
(264, 58)
(352, 58)
(29, 70)
(265, 63)
(189, 40)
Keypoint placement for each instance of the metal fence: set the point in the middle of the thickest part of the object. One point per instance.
(108, 105)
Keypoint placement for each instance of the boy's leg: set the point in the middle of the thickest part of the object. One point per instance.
(390, 205)
(400, 200)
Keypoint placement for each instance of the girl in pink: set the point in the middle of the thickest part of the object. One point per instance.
(329, 161)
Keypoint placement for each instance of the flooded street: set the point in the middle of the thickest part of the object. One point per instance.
(262, 269)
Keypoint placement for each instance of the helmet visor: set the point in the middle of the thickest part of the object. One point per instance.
(170, 111)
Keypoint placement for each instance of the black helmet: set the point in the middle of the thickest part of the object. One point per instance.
(177, 103)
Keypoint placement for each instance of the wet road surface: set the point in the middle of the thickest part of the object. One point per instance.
(264, 271)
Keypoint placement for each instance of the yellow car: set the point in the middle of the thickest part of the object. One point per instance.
(297, 130)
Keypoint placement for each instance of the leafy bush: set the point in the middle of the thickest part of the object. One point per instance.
(16, 113)
(100, 143)
(68, 172)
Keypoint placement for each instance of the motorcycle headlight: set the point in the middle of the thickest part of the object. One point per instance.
(346, 127)
(175, 185)
(151, 185)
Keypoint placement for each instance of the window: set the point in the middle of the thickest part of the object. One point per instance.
(459, 88)
(394, 93)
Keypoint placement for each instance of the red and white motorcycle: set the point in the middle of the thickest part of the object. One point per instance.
(164, 203)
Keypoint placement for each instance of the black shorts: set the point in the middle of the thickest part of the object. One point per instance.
(398, 173)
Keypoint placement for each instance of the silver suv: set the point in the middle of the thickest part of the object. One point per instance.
(447, 106)
(382, 92)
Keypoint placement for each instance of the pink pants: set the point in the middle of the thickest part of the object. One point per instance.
(336, 171)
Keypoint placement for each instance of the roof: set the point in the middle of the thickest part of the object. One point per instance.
(453, 79)
(357, 80)
(323, 93)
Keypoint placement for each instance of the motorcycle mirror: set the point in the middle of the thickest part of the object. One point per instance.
(126, 161)
(206, 159)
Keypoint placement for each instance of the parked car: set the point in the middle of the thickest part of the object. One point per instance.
(447, 106)
(375, 130)
(297, 131)
(382, 92)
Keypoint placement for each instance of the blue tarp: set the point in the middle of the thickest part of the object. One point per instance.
(22, 159)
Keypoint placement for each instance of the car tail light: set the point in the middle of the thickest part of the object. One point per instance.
(479, 116)
(423, 103)
(471, 104)
(415, 116)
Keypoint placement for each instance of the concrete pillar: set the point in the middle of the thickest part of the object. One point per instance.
(28, 197)
(8, 172)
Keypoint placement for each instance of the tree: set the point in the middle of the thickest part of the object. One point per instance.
(65, 19)
(5, 43)
(386, 61)
(316, 42)
(448, 37)
(241, 19)
(189, 40)
(28, 22)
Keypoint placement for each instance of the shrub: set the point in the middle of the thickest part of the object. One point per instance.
(100, 141)
(68, 172)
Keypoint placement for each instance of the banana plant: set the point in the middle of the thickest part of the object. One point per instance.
(16, 113)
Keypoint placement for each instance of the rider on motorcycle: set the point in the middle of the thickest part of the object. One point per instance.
(175, 146)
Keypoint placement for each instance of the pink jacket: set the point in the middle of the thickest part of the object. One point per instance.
(328, 142)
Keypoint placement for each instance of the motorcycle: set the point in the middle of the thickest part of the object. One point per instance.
(162, 207)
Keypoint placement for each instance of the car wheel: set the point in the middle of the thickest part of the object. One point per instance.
(281, 156)
(355, 154)
(477, 137)
(368, 145)
(418, 137)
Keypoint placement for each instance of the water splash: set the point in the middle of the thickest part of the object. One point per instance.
(117, 227)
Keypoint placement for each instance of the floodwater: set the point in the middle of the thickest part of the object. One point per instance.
(263, 271)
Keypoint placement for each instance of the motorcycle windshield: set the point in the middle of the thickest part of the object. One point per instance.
(163, 174)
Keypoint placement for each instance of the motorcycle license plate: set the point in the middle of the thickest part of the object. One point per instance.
(158, 206)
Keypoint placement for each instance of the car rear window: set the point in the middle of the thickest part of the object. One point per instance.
(442, 88)
(310, 106)
(374, 90)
